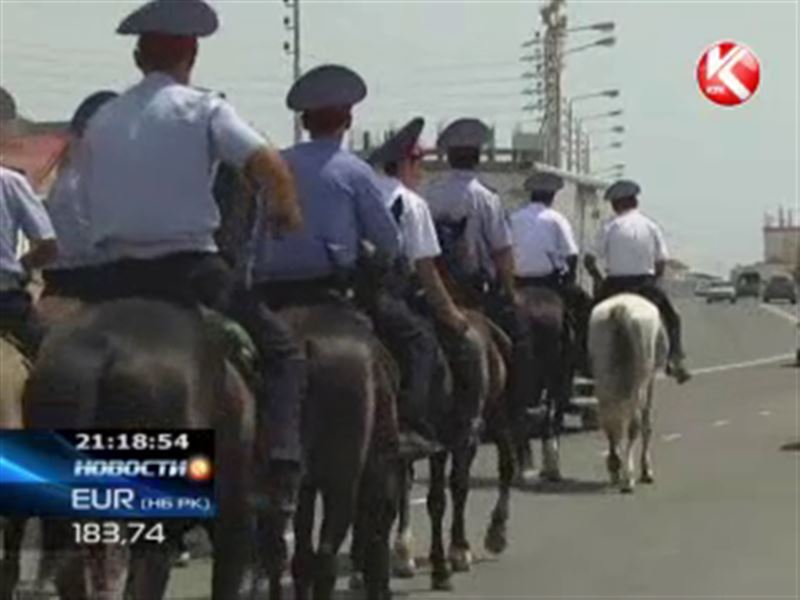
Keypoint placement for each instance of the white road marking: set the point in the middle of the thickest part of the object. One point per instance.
(672, 437)
(768, 360)
(794, 318)
(721, 423)
(765, 413)
(418, 501)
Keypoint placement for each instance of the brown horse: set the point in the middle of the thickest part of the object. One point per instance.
(489, 382)
(347, 421)
(139, 364)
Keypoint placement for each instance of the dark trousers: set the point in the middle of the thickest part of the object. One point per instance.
(78, 282)
(190, 278)
(18, 317)
(412, 341)
(647, 287)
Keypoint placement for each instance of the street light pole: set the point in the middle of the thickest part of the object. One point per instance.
(293, 24)
(298, 130)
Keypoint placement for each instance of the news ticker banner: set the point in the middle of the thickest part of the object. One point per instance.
(105, 474)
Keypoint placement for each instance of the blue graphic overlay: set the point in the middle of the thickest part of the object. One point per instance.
(121, 474)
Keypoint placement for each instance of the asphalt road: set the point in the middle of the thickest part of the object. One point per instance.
(721, 520)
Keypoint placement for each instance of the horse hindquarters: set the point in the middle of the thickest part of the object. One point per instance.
(339, 422)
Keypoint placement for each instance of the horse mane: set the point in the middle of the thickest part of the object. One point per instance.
(236, 201)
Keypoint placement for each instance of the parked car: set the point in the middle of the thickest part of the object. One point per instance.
(780, 287)
(748, 284)
(722, 291)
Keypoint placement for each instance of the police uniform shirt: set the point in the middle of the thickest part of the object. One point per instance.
(459, 195)
(66, 205)
(152, 157)
(543, 240)
(630, 244)
(418, 233)
(342, 202)
(20, 211)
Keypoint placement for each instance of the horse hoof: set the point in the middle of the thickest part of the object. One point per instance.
(551, 475)
(356, 582)
(404, 569)
(496, 541)
(441, 583)
(183, 560)
(647, 478)
(460, 559)
(626, 489)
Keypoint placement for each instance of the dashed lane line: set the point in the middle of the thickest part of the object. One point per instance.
(721, 423)
(671, 437)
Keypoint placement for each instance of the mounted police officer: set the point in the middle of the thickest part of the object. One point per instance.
(488, 261)
(152, 154)
(344, 203)
(74, 272)
(21, 212)
(417, 277)
(635, 253)
(545, 252)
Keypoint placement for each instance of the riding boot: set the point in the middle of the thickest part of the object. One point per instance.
(284, 393)
(675, 361)
(19, 318)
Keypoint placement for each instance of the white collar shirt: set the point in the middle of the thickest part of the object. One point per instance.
(543, 240)
(419, 240)
(630, 244)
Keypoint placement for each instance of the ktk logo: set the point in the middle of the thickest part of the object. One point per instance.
(728, 73)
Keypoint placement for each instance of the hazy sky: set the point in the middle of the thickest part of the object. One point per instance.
(708, 173)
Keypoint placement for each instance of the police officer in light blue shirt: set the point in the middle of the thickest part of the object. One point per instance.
(471, 216)
(341, 198)
(75, 269)
(21, 212)
(343, 203)
(151, 158)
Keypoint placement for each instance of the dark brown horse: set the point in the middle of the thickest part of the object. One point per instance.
(139, 364)
(348, 421)
(489, 382)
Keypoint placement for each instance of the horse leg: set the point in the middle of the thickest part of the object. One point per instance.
(382, 482)
(303, 560)
(460, 552)
(647, 433)
(149, 570)
(628, 478)
(13, 534)
(437, 505)
(271, 530)
(105, 568)
(404, 565)
(358, 545)
(613, 426)
(496, 539)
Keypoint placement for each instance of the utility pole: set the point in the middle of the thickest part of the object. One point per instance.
(555, 24)
(293, 24)
(570, 136)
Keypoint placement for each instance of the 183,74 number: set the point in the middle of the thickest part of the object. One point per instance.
(118, 532)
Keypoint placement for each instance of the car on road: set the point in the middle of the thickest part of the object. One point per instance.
(721, 291)
(780, 287)
(748, 284)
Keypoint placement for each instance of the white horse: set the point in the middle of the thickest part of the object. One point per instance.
(627, 347)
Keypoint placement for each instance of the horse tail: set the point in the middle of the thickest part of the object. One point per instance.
(625, 354)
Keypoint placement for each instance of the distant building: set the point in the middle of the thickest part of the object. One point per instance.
(782, 240)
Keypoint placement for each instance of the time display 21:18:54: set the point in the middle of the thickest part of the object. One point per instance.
(131, 441)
